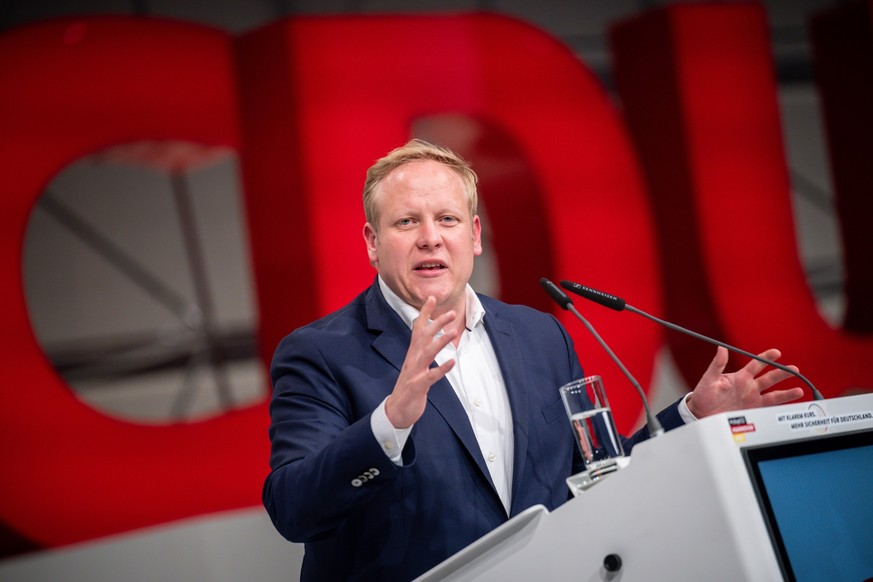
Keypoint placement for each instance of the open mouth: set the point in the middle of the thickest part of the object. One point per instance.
(430, 266)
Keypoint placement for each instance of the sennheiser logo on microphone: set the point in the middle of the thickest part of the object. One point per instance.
(606, 296)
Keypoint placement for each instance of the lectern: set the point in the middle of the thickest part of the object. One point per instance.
(779, 493)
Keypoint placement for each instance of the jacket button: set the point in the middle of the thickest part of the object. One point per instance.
(357, 482)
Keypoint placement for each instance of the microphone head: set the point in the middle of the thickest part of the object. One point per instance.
(555, 293)
(604, 299)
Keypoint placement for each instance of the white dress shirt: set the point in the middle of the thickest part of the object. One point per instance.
(479, 386)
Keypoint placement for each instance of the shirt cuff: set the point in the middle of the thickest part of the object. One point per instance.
(684, 411)
(392, 440)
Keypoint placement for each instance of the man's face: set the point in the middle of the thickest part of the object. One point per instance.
(425, 239)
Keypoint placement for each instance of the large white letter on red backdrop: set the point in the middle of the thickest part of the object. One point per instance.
(323, 98)
(70, 473)
(699, 92)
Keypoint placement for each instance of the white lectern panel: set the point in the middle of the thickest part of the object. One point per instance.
(684, 509)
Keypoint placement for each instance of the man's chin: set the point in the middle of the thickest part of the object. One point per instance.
(416, 295)
(420, 296)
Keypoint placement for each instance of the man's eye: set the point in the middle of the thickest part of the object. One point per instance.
(404, 222)
(449, 220)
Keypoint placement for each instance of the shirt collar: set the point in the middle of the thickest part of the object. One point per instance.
(408, 313)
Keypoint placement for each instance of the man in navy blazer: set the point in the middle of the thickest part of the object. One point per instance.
(421, 416)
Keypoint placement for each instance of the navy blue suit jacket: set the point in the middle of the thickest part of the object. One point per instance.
(360, 515)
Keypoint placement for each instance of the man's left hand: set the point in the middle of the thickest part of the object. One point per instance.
(720, 392)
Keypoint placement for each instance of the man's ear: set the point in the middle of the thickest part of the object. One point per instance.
(370, 240)
(477, 236)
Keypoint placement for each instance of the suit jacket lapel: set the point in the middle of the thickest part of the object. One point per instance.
(391, 335)
(393, 346)
(510, 355)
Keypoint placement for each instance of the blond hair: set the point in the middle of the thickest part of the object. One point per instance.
(413, 150)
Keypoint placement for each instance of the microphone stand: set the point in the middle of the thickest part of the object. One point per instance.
(815, 393)
(619, 304)
(562, 299)
(654, 425)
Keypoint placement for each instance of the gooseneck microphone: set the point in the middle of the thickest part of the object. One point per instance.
(562, 299)
(619, 304)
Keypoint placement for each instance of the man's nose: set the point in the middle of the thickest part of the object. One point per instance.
(429, 235)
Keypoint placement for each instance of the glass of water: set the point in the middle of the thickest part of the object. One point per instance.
(595, 432)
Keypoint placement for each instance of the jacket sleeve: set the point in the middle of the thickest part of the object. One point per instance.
(325, 460)
(669, 418)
